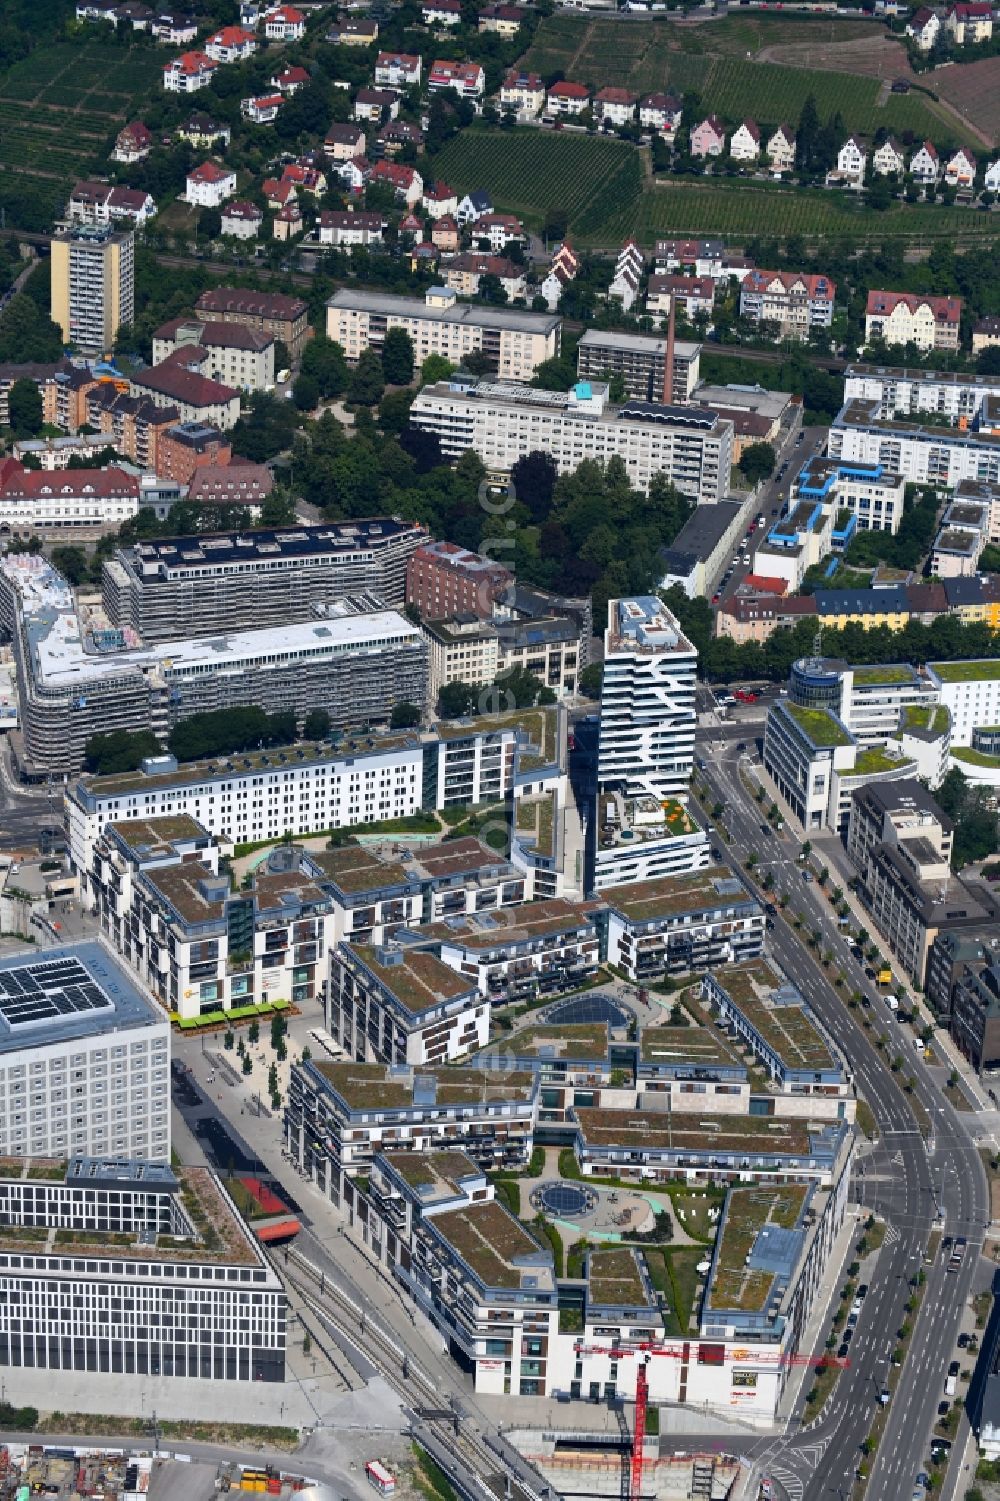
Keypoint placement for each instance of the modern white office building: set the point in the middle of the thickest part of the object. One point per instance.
(870, 701)
(872, 494)
(304, 789)
(648, 712)
(904, 393)
(139, 1271)
(84, 1058)
(517, 341)
(971, 693)
(920, 454)
(502, 422)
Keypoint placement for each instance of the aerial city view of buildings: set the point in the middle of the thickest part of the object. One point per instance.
(499, 750)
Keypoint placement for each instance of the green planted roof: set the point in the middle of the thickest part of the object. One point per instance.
(887, 674)
(966, 672)
(818, 724)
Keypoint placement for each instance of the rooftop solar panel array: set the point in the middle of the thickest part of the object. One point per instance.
(48, 991)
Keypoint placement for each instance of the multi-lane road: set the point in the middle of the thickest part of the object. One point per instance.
(904, 1179)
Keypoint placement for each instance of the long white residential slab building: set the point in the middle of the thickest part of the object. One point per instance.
(922, 455)
(516, 341)
(907, 393)
(502, 421)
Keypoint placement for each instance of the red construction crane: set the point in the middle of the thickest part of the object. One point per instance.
(726, 1353)
(641, 1399)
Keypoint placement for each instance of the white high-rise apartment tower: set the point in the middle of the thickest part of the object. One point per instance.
(647, 701)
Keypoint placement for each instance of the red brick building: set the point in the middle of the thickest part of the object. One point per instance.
(190, 446)
(443, 580)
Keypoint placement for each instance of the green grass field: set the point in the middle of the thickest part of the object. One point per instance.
(60, 106)
(600, 185)
(713, 61)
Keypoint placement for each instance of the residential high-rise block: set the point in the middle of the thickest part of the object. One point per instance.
(93, 284)
(647, 701)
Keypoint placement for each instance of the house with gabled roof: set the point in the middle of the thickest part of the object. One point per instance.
(496, 231)
(969, 22)
(262, 110)
(405, 182)
(397, 70)
(353, 33)
(908, 318)
(708, 137)
(231, 44)
(781, 149)
(371, 104)
(284, 24)
(344, 141)
(504, 20)
(888, 159)
(522, 92)
(744, 144)
(441, 12)
(960, 169)
(290, 80)
(924, 26)
(629, 270)
(210, 185)
(567, 98)
(852, 159)
(188, 73)
(466, 79)
(354, 173)
(474, 206)
(925, 164)
(132, 143)
(440, 199)
(563, 268)
(661, 112)
(615, 107)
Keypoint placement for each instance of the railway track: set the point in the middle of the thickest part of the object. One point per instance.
(476, 1464)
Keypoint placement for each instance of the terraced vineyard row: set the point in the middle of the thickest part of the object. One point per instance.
(531, 171)
(738, 211)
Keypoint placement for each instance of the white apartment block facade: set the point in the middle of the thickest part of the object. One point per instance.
(90, 1077)
(517, 341)
(200, 948)
(907, 393)
(942, 457)
(502, 422)
(390, 1005)
(253, 796)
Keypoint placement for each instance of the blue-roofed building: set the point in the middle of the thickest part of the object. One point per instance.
(74, 1017)
(873, 493)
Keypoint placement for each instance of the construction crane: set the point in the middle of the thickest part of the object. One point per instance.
(729, 1353)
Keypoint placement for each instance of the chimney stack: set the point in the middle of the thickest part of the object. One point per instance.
(668, 363)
